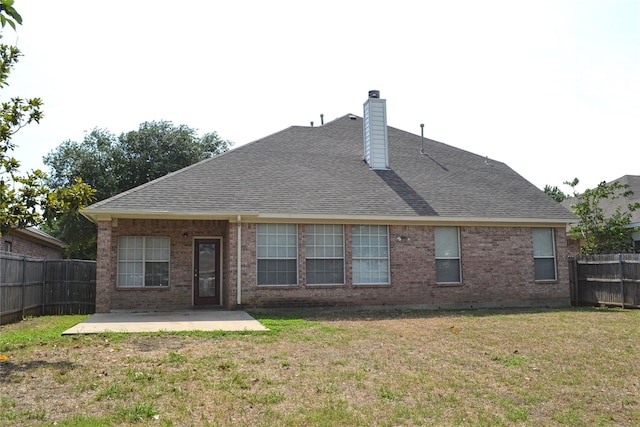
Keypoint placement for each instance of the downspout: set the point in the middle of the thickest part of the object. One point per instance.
(239, 266)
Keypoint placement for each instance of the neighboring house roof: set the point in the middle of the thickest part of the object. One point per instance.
(610, 205)
(315, 172)
(633, 181)
(33, 234)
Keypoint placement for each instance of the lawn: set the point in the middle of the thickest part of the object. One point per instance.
(383, 368)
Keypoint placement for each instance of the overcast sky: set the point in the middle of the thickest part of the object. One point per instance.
(552, 88)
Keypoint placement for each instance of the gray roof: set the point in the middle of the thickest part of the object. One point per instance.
(41, 236)
(320, 171)
(610, 205)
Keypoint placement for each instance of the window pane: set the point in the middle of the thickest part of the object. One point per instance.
(544, 254)
(446, 242)
(325, 248)
(130, 274)
(277, 241)
(156, 274)
(143, 261)
(130, 248)
(447, 271)
(542, 242)
(370, 272)
(277, 272)
(370, 250)
(325, 271)
(277, 254)
(156, 248)
(545, 268)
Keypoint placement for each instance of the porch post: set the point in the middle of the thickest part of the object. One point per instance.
(104, 268)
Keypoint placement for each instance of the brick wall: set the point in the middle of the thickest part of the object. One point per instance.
(179, 294)
(497, 270)
(23, 245)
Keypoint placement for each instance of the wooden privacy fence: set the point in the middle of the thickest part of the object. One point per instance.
(32, 287)
(605, 279)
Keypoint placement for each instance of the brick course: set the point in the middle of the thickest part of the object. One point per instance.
(30, 247)
(497, 270)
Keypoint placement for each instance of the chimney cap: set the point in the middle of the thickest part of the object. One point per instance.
(374, 94)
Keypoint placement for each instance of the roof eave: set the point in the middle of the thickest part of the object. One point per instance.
(41, 238)
(252, 216)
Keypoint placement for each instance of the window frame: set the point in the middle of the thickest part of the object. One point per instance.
(259, 258)
(355, 258)
(144, 260)
(545, 257)
(314, 247)
(448, 258)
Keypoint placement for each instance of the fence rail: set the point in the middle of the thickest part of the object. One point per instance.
(31, 287)
(605, 279)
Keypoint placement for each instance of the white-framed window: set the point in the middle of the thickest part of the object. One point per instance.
(448, 266)
(325, 254)
(277, 254)
(7, 246)
(544, 254)
(370, 254)
(143, 261)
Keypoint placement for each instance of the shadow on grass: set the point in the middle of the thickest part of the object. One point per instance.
(346, 313)
(9, 371)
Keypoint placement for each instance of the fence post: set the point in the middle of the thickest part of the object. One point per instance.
(44, 286)
(24, 283)
(66, 287)
(573, 281)
(621, 279)
(1, 291)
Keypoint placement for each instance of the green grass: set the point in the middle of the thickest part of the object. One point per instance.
(485, 367)
(33, 331)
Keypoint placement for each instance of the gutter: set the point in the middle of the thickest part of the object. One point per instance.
(319, 218)
(239, 266)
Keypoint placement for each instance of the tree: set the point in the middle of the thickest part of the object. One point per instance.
(115, 164)
(158, 148)
(558, 195)
(8, 15)
(604, 234)
(25, 199)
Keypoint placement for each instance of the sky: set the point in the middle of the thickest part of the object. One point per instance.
(551, 88)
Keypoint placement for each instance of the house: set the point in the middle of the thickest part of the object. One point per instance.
(350, 213)
(33, 243)
(609, 207)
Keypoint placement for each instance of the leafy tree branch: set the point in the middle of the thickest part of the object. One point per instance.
(26, 200)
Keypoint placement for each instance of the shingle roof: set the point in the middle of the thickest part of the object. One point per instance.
(610, 205)
(41, 236)
(320, 170)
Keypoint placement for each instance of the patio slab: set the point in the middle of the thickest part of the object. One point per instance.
(187, 320)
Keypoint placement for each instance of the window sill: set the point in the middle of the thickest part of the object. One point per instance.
(449, 285)
(143, 288)
(547, 282)
(266, 287)
(372, 285)
(324, 285)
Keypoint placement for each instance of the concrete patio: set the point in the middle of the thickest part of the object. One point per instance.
(187, 320)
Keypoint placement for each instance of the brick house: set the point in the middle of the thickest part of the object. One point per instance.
(33, 243)
(350, 213)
